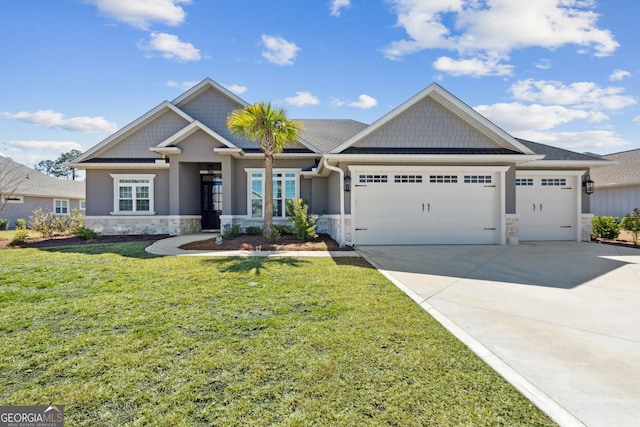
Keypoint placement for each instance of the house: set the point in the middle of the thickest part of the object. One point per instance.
(431, 171)
(617, 186)
(23, 190)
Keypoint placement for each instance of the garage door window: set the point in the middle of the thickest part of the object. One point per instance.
(400, 179)
(477, 179)
(524, 182)
(443, 179)
(373, 178)
(555, 182)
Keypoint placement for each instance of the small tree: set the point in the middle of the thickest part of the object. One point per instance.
(631, 223)
(303, 222)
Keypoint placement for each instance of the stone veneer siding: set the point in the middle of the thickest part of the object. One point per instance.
(587, 227)
(174, 225)
(511, 229)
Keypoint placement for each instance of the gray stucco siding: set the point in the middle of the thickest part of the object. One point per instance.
(427, 124)
(100, 191)
(189, 189)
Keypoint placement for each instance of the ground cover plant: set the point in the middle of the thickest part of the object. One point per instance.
(120, 337)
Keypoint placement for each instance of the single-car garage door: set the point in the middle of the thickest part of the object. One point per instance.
(547, 205)
(426, 207)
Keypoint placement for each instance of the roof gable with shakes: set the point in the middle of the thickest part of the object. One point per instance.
(433, 118)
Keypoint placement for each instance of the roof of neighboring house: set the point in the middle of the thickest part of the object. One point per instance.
(625, 172)
(555, 153)
(19, 180)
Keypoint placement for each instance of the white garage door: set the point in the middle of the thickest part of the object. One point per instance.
(426, 208)
(547, 205)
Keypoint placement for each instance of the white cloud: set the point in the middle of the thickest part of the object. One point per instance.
(586, 95)
(364, 102)
(474, 67)
(636, 120)
(185, 85)
(52, 119)
(142, 13)
(278, 50)
(469, 26)
(172, 48)
(302, 99)
(543, 64)
(516, 117)
(338, 5)
(619, 75)
(237, 89)
(591, 140)
(52, 146)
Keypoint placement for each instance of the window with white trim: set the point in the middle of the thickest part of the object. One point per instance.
(83, 205)
(400, 179)
(373, 178)
(285, 187)
(524, 182)
(477, 179)
(61, 206)
(133, 194)
(553, 182)
(13, 199)
(443, 179)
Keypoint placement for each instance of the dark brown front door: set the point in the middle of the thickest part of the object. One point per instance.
(211, 190)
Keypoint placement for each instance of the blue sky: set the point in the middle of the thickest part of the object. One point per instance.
(561, 72)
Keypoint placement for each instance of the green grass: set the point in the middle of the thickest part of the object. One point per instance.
(120, 337)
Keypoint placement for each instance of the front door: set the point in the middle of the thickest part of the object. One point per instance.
(211, 201)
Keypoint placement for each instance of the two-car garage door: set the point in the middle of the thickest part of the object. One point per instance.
(426, 207)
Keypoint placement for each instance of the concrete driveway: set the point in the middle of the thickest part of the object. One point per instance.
(560, 320)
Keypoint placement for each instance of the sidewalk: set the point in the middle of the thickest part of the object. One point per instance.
(171, 246)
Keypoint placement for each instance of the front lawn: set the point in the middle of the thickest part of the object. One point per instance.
(123, 338)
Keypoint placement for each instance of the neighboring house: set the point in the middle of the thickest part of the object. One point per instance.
(432, 171)
(617, 186)
(23, 190)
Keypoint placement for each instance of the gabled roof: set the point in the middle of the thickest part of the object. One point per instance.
(24, 181)
(203, 86)
(327, 134)
(626, 171)
(455, 106)
(190, 129)
(130, 128)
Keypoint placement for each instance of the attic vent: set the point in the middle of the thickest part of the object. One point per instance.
(524, 182)
(477, 179)
(408, 179)
(373, 178)
(555, 182)
(438, 179)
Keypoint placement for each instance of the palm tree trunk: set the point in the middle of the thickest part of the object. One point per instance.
(268, 195)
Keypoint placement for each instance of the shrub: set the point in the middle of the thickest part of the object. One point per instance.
(4, 224)
(233, 231)
(19, 237)
(279, 230)
(303, 222)
(605, 227)
(631, 223)
(21, 224)
(253, 230)
(82, 233)
(49, 225)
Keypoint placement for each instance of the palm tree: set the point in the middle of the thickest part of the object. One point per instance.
(270, 126)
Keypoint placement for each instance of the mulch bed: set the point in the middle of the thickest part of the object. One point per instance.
(71, 240)
(260, 243)
(617, 242)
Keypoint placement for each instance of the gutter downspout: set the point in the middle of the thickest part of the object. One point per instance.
(342, 217)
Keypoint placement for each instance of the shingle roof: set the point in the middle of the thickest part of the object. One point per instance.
(427, 150)
(327, 134)
(626, 172)
(555, 153)
(33, 183)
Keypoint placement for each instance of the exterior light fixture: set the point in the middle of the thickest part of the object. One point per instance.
(347, 182)
(588, 184)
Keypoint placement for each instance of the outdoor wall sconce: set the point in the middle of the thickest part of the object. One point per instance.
(347, 182)
(588, 184)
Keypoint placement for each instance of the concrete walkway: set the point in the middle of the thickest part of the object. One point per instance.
(171, 246)
(559, 320)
